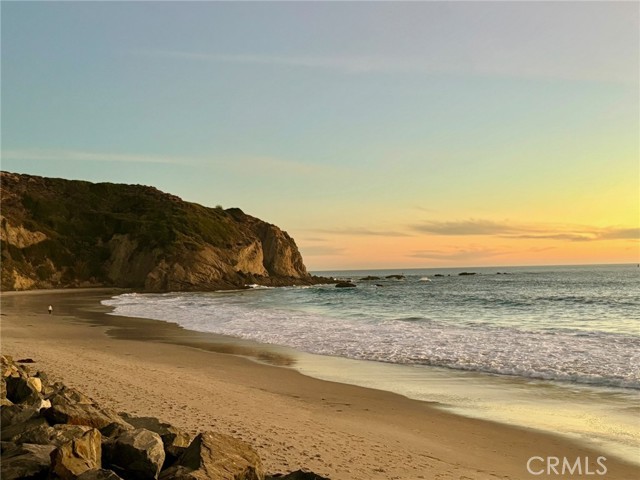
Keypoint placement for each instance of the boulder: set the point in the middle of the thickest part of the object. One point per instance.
(216, 456)
(77, 456)
(12, 414)
(99, 474)
(115, 429)
(25, 461)
(57, 435)
(395, 277)
(297, 475)
(345, 285)
(7, 367)
(135, 454)
(467, 273)
(175, 441)
(23, 389)
(370, 277)
(17, 420)
(63, 395)
(80, 414)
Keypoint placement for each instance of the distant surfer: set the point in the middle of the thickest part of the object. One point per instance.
(50, 309)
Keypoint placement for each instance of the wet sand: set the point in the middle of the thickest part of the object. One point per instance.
(147, 367)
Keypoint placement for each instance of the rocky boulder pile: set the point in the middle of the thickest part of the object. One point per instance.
(52, 431)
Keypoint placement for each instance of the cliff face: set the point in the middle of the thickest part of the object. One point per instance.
(64, 233)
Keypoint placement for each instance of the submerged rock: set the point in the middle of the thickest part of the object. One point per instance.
(345, 285)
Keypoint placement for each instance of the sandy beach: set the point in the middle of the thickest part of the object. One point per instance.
(147, 367)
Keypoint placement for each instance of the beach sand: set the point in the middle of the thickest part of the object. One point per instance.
(147, 367)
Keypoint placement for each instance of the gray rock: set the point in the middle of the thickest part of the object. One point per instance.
(8, 368)
(12, 414)
(17, 420)
(345, 285)
(21, 389)
(25, 461)
(80, 414)
(216, 456)
(135, 454)
(77, 456)
(175, 441)
(99, 474)
(63, 395)
(57, 435)
(115, 429)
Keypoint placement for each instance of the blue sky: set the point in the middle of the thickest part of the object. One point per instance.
(350, 125)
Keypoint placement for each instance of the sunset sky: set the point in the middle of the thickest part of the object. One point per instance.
(379, 135)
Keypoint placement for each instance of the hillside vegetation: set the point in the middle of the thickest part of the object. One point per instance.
(67, 233)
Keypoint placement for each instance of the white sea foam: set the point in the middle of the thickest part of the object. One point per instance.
(297, 318)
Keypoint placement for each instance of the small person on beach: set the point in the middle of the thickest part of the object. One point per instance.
(50, 309)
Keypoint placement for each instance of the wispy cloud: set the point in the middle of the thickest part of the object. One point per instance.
(257, 164)
(507, 229)
(484, 63)
(273, 165)
(46, 155)
(466, 227)
(467, 253)
(347, 64)
(321, 250)
(360, 231)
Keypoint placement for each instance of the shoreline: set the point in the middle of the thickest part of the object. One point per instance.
(293, 420)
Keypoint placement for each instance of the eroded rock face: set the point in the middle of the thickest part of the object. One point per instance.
(18, 236)
(136, 237)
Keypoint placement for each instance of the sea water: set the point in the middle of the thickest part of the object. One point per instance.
(570, 335)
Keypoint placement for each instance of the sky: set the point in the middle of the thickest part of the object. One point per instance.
(378, 134)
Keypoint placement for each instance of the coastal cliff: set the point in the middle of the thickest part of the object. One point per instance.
(58, 233)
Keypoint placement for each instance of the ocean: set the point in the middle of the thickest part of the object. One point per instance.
(567, 324)
(555, 348)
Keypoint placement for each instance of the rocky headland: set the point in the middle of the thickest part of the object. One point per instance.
(58, 233)
(52, 431)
